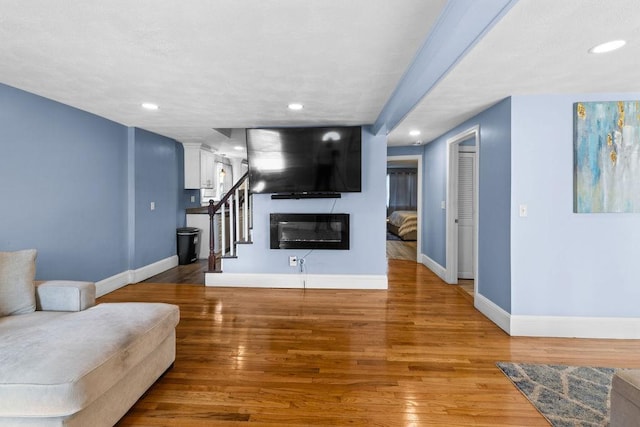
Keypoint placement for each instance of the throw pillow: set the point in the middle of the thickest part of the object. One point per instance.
(17, 290)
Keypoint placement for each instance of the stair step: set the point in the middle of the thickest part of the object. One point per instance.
(244, 242)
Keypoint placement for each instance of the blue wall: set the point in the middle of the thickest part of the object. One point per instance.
(156, 180)
(367, 254)
(494, 204)
(564, 263)
(64, 182)
(77, 187)
(407, 150)
(434, 217)
(494, 271)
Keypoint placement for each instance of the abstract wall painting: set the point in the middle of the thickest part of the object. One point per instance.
(606, 164)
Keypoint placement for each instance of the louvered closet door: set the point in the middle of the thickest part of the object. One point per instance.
(466, 197)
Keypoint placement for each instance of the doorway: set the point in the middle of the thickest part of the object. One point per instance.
(404, 207)
(462, 208)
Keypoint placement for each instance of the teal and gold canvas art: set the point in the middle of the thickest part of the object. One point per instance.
(606, 156)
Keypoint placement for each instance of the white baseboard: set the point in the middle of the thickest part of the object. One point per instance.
(309, 281)
(112, 283)
(151, 270)
(439, 270)
(576, 327)
(496, 314)
(559, 326)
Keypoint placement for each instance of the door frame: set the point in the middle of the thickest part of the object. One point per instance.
(418, 158)
(451, 269)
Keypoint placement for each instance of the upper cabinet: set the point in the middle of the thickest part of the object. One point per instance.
(199, 171)
(207, 169)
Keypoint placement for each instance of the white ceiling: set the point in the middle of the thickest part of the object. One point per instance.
(236, 64)
(539, 47)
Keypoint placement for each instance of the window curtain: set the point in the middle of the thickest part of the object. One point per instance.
(402, 190)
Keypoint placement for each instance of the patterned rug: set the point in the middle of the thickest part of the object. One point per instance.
(565, 395)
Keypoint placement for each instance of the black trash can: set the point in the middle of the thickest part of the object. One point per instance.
(187, 243)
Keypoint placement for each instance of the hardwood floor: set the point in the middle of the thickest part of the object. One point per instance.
(467, 285)
(417, 354)
(192, 274)
(398, 249)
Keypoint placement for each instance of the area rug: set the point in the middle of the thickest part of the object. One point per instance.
(564, 395)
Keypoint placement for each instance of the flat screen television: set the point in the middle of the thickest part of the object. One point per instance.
(311, 160)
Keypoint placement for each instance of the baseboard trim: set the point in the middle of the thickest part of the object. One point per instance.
(439, 270)
(112, 283)
(298, 281)
(559, 326)
(120, 280)
(151, 270)
(576, 327)
(495, 313)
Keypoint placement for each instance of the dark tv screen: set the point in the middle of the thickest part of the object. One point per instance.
(305, 160)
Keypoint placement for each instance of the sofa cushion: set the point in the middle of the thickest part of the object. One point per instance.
(17, 273)
(627, 383)
(59, 367)
(23, 321)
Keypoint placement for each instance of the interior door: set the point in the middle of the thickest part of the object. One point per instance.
(466, 199)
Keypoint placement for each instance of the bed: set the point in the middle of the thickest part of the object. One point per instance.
(403, 224)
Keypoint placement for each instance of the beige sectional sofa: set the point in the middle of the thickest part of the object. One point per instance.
(625, 398)
(65, 361)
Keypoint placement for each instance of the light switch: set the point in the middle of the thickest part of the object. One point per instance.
(443, 204)
(193, 199)
(153, 206)
(523, 211)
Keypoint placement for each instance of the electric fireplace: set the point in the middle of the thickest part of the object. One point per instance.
(309, 231)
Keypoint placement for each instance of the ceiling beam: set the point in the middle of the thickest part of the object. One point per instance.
(460, 26)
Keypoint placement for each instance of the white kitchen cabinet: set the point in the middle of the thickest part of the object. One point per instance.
(207, 170)
(199, 171)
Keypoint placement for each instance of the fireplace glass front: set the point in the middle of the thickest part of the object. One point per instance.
(309, 231)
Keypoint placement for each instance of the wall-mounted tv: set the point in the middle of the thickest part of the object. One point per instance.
(310, 160)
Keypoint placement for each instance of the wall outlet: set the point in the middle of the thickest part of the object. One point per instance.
(153, 206)
(193, 199)
(293, 261)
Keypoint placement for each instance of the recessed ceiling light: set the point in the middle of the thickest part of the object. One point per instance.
(238, 147)
(149, 106)
(414, 132)
(608, 46)
(295, 106)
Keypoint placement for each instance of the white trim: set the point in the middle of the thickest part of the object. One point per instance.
(496, 314)
(120, 280)
(112, 283)
(150, 270)
(439, 270)
(559, 326)
(466, 148)
(418, 159)
(309, 281)
(452, 202)
(576, 327)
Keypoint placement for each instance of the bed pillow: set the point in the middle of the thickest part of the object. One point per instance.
(17, 291)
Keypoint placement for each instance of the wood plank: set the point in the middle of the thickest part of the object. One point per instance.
(416, 354)
(398, 249)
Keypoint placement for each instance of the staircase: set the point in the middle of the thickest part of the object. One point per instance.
(234, 226)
